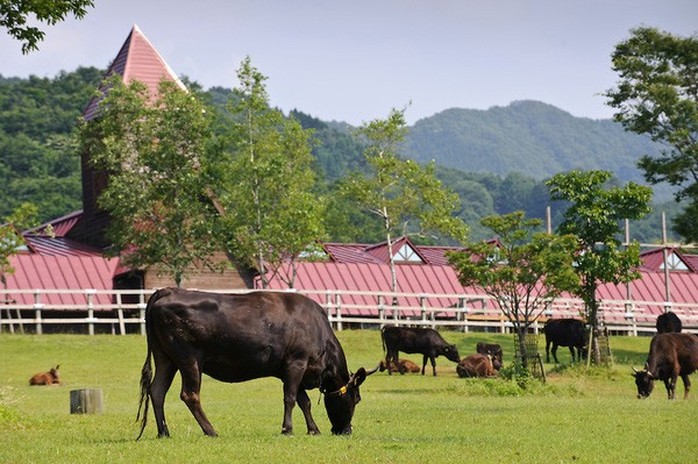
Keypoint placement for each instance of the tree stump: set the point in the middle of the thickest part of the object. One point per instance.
(86, 401)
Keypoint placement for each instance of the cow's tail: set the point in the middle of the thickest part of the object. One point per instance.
(147, 371)
(383, 338)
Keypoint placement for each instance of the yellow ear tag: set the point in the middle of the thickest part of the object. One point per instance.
(342, 390)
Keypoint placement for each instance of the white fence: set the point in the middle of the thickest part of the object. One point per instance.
(123, 311)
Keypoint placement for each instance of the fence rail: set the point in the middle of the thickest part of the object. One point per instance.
(123, 311)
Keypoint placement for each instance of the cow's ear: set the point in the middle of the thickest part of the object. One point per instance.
(359, 377)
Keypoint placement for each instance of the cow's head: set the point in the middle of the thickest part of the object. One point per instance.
(644, 380)
(56, 378)
(451, 353)
(340, 402)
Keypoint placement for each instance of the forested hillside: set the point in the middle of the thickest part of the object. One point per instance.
(529, 137)
(496, 160)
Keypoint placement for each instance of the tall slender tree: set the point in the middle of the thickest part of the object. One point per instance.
(594, 216)
(266, 181)
(405, 196)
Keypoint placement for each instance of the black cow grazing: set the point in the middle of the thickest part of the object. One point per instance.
(52, 377)
(492, 349)
(234, 338)
(671, 355)
(428, 342)
(668, 322)
(476, 365)
(565, 332)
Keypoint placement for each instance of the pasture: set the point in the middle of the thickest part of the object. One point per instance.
(581, 415)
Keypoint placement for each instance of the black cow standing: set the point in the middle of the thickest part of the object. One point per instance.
(234, 338)
(668, 322)
(671, 355)
(428, 342)
(565, 332)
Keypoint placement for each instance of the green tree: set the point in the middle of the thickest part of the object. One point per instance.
(594, 216)
(154, 148)
(11, 239)
(15, 14)
(657, 95)
(406, 197)
(271, 214)
(524, 270)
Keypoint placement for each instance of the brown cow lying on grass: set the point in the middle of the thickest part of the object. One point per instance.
(404, 365)
(476, 365)
(46, 378)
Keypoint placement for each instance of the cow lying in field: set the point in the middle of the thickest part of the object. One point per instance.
(52, 377)
(476, 365)
(493, 350)
(403, 365)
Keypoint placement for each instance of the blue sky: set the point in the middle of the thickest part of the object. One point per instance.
(354, 61)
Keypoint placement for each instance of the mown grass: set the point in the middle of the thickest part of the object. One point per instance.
(580, 415)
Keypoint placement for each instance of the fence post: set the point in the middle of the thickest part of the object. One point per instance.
(630, 316)
(90, 310)
(120, 314)
(339, 311)
(37, 311)
(381, 310)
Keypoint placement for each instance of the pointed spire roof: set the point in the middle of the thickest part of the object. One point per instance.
(137, 60)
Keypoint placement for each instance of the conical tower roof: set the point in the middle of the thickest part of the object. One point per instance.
(137, 60)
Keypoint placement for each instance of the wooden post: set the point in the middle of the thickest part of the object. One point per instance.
(86, 401)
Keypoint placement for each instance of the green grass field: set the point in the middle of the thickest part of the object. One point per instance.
(580, 415)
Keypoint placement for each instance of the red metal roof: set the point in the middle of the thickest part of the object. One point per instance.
(59, 246)
(59, 227)
(34, 271)
(137, 60)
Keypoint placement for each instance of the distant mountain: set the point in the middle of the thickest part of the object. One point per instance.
(528, 137)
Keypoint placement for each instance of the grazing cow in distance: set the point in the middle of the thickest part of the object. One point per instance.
(52, 377)
(668, 322)
(411, 340)
(493, 350)
(565, 332)
(476, 365)
(240, 337)
(671, 355)
(404, 365)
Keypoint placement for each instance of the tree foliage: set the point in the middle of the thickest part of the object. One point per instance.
(524, 270)
(594, 215)
(404, 196)
(657, 95)
(14, 16)
(155, 149)
(266, 182)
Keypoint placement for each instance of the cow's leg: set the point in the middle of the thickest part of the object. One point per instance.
(292, 382)
(670, 385)
(547, 351)
(391, 356)
(554, 351)
(424, 362)
(572, 353)
(686, 386)
(164, 374)
(190, 394)
(304, 403)
(433, 364)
